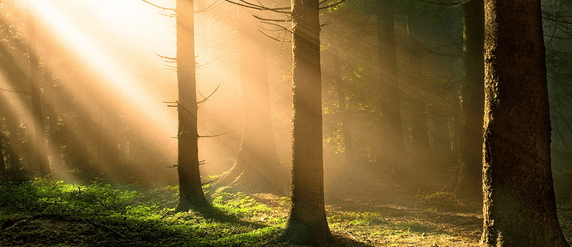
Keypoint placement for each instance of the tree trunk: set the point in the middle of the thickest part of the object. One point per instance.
(191, 194)
(519, 204)
(40, 153)
(307, 222)
(419, 129)
(344, 115)
(471, 138)
(257, 167)
(392, 131)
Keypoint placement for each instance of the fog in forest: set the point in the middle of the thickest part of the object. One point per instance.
(392, 113)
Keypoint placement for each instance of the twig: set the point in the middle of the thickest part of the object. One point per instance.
(110, 229)
(14, 91)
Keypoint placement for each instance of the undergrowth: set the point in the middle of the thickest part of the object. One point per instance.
(45, 212)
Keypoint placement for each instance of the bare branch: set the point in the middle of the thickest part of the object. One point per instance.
(157, 6)
(332, 5)
(216, 135)
(272, 20)
(259, 7)
(14, 91)
(207, 98)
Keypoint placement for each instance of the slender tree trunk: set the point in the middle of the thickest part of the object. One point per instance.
(307, 222)
(257, 167)
(419, 128)
(190, 190)
(392, 131)
(342, 104)
(40, 152)
(519, 203)
(470, 160)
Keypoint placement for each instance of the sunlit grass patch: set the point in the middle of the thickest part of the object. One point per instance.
(103, 214)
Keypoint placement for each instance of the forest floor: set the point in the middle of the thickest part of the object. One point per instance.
(53, 213)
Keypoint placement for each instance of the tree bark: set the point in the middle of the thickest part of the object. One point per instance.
(519, 204)
(392, 130)
(307, 222)
(40, 153)
(191, 194)
(471, 137)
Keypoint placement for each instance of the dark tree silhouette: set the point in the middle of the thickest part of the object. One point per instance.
(190, 190)
(307, 222)
(519, 203)
(470, 160)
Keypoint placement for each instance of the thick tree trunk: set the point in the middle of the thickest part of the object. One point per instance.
(40, 153)
(191, 194)
(257, 167)
(470, 160)
(307, 222)
(519, 204)
(392, 131)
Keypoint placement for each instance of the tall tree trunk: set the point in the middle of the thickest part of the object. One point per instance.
(470, 160)
(419, 128)
(519, 203)
(307, 222)
(40, 153)
(191, 194)
(344, 115)
(258, 167)
(392, 131)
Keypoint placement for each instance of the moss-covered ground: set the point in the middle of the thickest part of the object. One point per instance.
(44, 212)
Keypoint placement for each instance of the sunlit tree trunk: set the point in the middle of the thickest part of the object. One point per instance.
(257, 167)
(392, 131)
(40, 152)
(191, 194)
(307, 222)
(519, 204)
(470, 160)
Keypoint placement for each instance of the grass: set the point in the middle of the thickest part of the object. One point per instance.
(54, 213)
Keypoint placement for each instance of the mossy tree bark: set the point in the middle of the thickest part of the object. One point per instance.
(307, 222)
(257, 167)
(519, 203)
(471, 137)
(191, 194)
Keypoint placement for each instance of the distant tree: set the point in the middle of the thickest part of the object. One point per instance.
(257, 167)
(191, 194)
(471, 137)
(392, 131)
(345, 129)
(519, 203)
(40, 153)
(307, 222)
